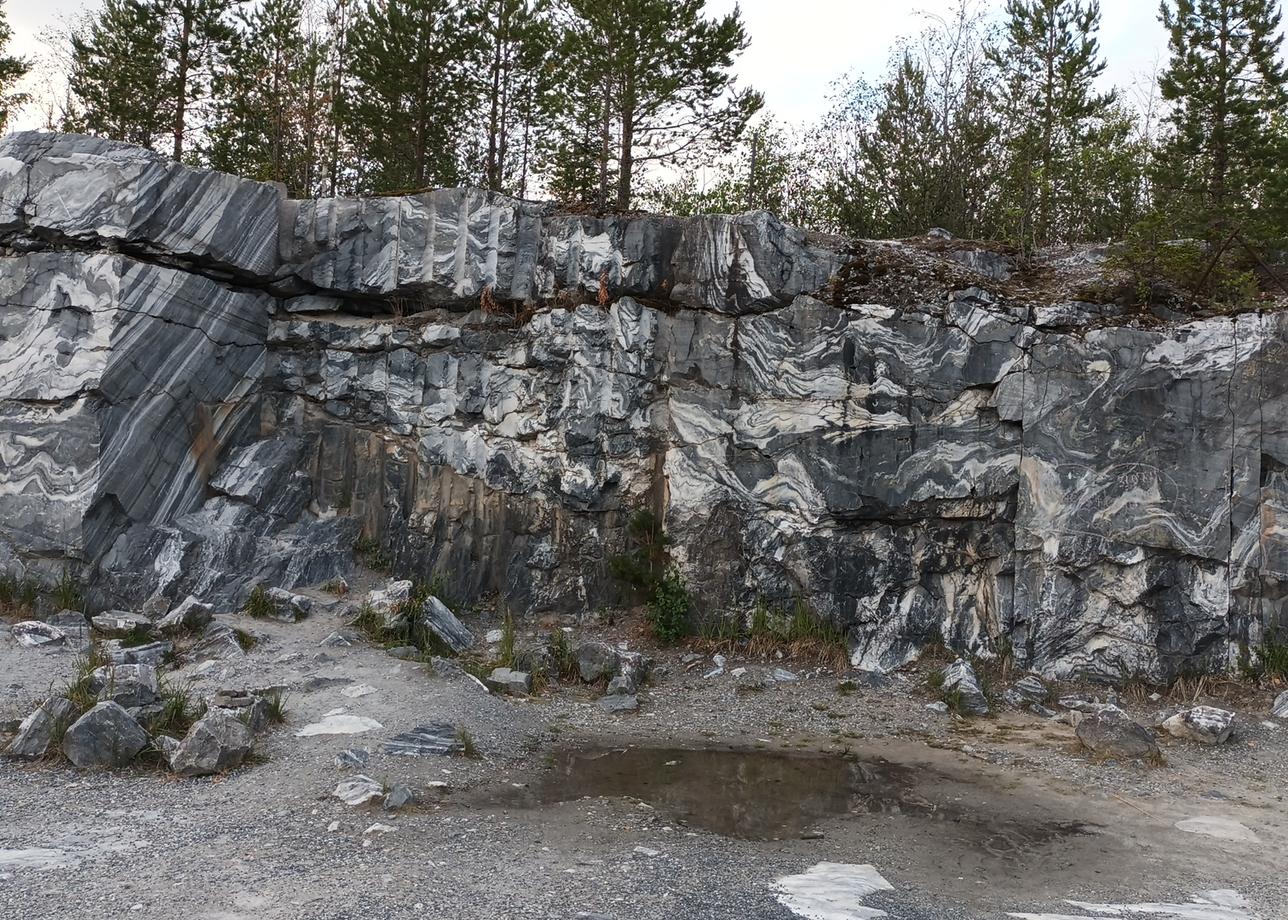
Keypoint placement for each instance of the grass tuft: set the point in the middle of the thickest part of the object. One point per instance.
(67, 593)
(277, 711)
(468, 747)
(259, 605)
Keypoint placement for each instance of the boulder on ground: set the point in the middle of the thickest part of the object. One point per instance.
(1026, 692)
(1202, 724)
(513, 683)
(358, 790)
(155, 607)
(435, 617)
(41, 731)
(117, 624)
(598, 661)
(961, 681)
(154, 653)
(390, 601)
(128, 685)
(1111, 733)
(35, 634)
(1280, 708)
(288, 607)
(352, 758)
(747, 679)
(250, 707)
(105, 736)
(218, 641)
(191, 614)
(218, 741)
(623, 685)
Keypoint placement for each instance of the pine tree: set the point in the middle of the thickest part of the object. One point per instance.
(12, 69)
(1048, 64)
(408, 93)
(271, 101)
(1226, 83)
(118, 81)
(515, 82)
(651, 84)
(146, 67)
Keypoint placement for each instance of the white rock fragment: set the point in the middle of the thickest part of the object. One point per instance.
(358, 790)
(1202, 724)
(832, 891)
(1218, 826)
(339, 724)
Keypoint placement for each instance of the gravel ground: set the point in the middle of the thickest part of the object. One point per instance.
(988, 817)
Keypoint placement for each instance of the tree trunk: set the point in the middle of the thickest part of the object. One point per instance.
(626, 163)
(493, 125)
(181, 80)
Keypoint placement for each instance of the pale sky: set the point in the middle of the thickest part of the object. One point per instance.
(798, 46)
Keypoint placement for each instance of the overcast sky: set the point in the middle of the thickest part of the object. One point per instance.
(799, 46)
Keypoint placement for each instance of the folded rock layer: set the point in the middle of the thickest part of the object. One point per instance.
(205, 385)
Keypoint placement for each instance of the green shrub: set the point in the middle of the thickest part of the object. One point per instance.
(668, 609)
(67, 592)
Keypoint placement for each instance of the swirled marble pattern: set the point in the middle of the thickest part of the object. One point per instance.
(204, 385)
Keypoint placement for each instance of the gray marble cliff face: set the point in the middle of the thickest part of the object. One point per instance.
(204, 385)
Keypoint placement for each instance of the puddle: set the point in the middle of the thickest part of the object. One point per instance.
(763, 795)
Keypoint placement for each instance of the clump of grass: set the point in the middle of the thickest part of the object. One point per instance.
(562, 659)
(79, 687)
(179, 710)
(337, 586)
(259, 605)
(246, 640)
(66, 592)
(277, 711)
(505, 654)
(372, 554)
(1269, 660)
(18, 596)
(468, 747)
(369, 623)
(138, 635)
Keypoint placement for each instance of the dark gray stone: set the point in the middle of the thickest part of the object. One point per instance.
(41, 732)
(960, 681)
(352, 758)
(400, 796)
(105, 736)
(1111, 733)
(117, 624)
(431, 738)
(217, 742)
(440, 621)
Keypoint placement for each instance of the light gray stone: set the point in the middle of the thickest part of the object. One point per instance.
(359, 790)
(105, 736)
(513, 683)
(440, 621)
(400, 796)
(1202, 724)
(128, 685)
(618, 703)
(1280, 708)
(153, 653)
(188, 616)
(117, 624)
(35, 634)
(288, 606)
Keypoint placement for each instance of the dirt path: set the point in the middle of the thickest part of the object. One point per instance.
(699, 805)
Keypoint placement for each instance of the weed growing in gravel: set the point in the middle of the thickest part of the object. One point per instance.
(277, 711)
(246, 640)
(369, 623)
(505, 654)
(1270, 659)
(468, 747)
(802, 635)
(67, 593)
(337, 586)
(562, 657)
(259, 605)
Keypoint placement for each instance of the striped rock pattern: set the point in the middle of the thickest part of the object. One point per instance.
(205, 385)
